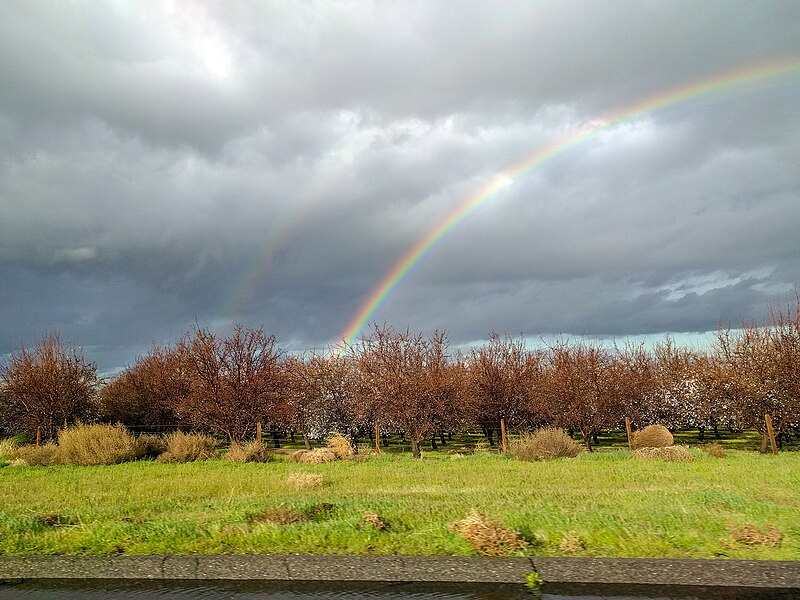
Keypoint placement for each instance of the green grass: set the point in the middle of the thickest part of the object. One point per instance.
(617, 506)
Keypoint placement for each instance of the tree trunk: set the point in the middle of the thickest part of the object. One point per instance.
(702, 433)
(490, 436)
(441, 437)
(415, 449)
(306, 441)
(764, 442)
(433, 442)
(587, 439)
(291, 435)
(716, 431)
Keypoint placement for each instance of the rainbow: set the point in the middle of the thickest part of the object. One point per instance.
(400, 269)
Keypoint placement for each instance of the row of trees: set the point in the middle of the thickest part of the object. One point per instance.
(415, 385)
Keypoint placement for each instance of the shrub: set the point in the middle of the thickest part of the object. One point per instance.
(340, 446)
(36, 456)
(652, 436)
(304, 481)
(715, 450)
(150, 446)
(7, 446)
(247, 452)
(96, 445)
(487, 536)
(187, 447)
(668, 453)
(545, 444)
(315, 456)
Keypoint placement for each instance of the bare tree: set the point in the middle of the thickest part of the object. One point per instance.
(234, 381)
(48, 387)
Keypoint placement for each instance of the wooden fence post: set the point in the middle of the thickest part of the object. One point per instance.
(630, 435)
(258, 432)
(771, 433)
(377, 438)
(38, 436)
(503, 443)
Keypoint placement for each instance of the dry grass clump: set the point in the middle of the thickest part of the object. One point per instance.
(29, 455)
(340, 446)
(545, 444)
(668, 453)
(7, 446)
(279, 515)
(652, 436)
(371, 519)
(187, 447)
(715, 450)
(571, 543)
(750, 535)
(304, 481)
(96, 444)
(315, 456)
(487, 536)
(150, 446)
(247, 452)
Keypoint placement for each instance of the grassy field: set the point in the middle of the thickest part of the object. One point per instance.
(604, 503)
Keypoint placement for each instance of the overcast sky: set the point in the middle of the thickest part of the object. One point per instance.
(170, 163)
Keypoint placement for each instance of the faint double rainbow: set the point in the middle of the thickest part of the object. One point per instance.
(400, 269)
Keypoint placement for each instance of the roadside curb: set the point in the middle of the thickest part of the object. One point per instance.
(623, 571)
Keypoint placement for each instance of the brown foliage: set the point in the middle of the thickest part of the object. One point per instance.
(46, 387)
(234, 381)
(315, 456)
(545, 444)
(371, 519)
(715, 450)
(488, 536)
(187, 447)
(652, 436)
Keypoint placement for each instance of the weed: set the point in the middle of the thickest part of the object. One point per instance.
(715, 450)
(571, 543)
(315, 456)
(652, 436)
(248, 452)
(96, 444)
(304, 481)
(187, 447)
(7, 446)
(45, 455)
(487, 536)
(545, 444)
(668, 453)
(371, 519)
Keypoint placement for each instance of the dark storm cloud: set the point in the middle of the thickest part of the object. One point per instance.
(166, 164)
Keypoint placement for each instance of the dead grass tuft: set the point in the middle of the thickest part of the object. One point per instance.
(7, 447)
(304, 481)
(96, 444)
(315, 456)
(545, 444)
(279, 515)
(371, 519)
(652, 436)
(750, 535)
(571, 543)
(715, 450)
(29, 455)
(247, 452)
(340, 446)
(54, 520)
(487, 536)
(187, 447)
(667, 453)
(150, 446)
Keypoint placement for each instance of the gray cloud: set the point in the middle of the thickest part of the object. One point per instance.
(166, 164)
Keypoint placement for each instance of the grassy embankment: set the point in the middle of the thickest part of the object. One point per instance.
(614, 505)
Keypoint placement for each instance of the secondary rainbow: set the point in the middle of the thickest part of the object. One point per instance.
(403, 266)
